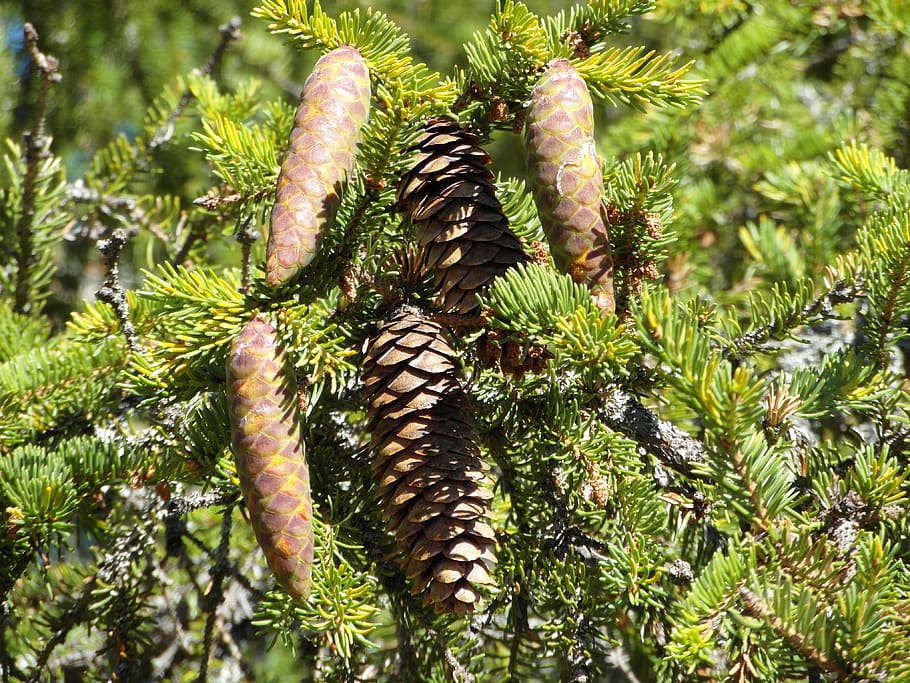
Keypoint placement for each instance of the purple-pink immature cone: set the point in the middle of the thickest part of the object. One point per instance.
(567, 180)
(334, 105)
(268, 448)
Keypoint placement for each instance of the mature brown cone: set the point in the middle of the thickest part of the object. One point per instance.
(265, 429)
(427, 465)
(333, 108)
(567, 180)
(450, 199)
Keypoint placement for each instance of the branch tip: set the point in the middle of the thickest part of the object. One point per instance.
(112, 292)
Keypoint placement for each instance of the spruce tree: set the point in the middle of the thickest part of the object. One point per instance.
(429, 449)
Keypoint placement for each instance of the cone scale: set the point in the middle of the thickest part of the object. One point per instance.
(567, 180)
(449, 197)
(333, 107)
(268, 449)
(431, 480)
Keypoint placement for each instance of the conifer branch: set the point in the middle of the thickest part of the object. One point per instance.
(70, 619)
(518, 621)
(219, 571)
(753, 606)
(810, 579)
(36, 149)
(898, 281)
(112, 292)
(408, 667)
(762, 519)
(625, 414)
(229, 33)
(342, 257)
(820, 309)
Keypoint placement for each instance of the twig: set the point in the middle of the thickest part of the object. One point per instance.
(518, 621)
(219, 571)
(112, 292)
(174, 523)
(71, 618)
(213, 201)
(14, 568)
(78, 193)
(454, 669)
(246, 235)
(577, 656)
(342, 256)
(668, 443)
(458, 320)
(197, 231)
(842, 292)
(36, 148)
(229, 33)
(753, 607)
(7, 666)
(408, 668)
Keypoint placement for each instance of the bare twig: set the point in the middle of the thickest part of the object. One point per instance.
(457, 320)
(68, 620)
(578, 659)
(36, 148)
(214, 201)
(7, 666)
(454, 669)
(196, 232)
(229, 33)
(668, 443)
(246, 234)
(112, 292)
(219, 571)
(78, 193)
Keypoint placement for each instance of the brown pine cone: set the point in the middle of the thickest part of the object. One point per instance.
(432, 482)
(450, 199)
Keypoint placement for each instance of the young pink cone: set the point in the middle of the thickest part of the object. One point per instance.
(333, 108)
(567, 181)
(274, 479)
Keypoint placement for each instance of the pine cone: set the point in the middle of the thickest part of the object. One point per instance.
(333, 108)
(427, 465)
(450, 199)
(274, 479)
(567, 180)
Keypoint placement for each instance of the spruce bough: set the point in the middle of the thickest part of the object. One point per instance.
(684, 489)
